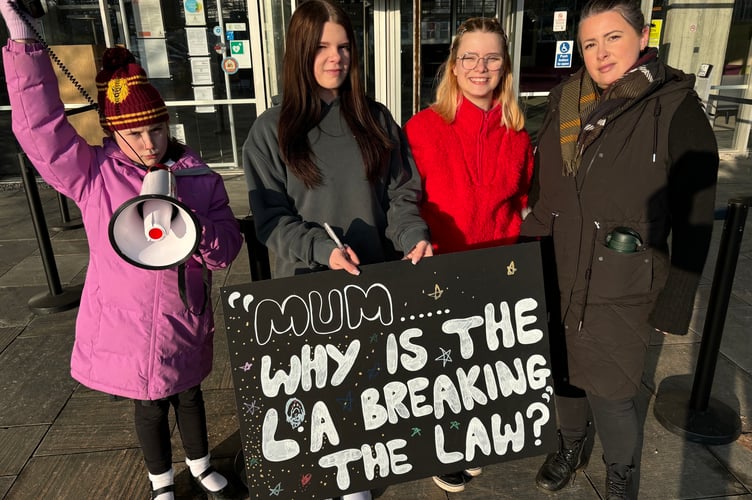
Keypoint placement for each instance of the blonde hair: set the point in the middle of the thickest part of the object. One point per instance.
(448, 93)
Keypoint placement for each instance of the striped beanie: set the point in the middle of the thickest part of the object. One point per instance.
(126, 98)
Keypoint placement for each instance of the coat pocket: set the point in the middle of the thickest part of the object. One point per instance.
(618, 276)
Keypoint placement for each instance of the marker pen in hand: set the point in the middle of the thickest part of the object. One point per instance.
(342, 248)
(334, 238)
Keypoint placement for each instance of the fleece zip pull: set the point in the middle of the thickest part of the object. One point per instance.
(656, 114)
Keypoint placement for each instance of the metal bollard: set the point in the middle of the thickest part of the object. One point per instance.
(57, 299)
(258, 254)
(720, 293)
(65, 219)
(700, 418)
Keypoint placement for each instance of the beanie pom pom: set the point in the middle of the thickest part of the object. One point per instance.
(125, 97)
(117, 57)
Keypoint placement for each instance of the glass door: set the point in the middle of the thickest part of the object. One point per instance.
(547, 44)
(544, 52)
(426, 38)
(200, 54)
(275, 17)
(361, 15)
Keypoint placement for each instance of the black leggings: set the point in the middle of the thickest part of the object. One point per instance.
(616, 422)
(153, 428)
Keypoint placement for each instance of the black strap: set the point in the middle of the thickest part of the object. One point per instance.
(207, 287)
(163, 489)
(206, 473)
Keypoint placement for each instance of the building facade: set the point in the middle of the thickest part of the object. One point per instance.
(217, 62)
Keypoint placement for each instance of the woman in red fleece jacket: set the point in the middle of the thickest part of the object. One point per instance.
(473, 154)
(470, 146)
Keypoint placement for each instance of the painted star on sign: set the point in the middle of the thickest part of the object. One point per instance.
(437, 292)
(446, 356)
(276, 490)
(251, 407)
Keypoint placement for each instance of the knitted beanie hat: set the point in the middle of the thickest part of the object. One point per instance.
(125, 96)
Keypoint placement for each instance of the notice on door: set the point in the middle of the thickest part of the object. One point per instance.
(194, 13)
(241, 51)
(560, 20)
(563, 54)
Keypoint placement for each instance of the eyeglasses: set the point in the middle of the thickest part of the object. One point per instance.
(470, 61)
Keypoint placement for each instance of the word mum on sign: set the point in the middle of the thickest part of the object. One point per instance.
(348, 383)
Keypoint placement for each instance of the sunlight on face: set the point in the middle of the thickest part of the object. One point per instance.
(332, 62)
(479, 83)
(610, 46)
(144, 145)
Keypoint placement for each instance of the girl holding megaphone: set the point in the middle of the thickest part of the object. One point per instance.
(139, 335)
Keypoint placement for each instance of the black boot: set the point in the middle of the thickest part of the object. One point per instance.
(619, 482)
(561, 466)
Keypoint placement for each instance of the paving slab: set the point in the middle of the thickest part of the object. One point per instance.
(61, 323)
(17, 224)
(34, 380)
(742, 288)
(676, 366)
(5, 483)
(8, 334)
(101, 475)
(744, 251)
(422, 489)
(506, 480)
(14, 251)
(65, 243)
(106, 474)
(15, 304)
(737, 458)
(240, 270)
(17, 444)
(90, 422)
(672, 468)
(27, 271)
(516, 480)
(221, 374)
(736, 342)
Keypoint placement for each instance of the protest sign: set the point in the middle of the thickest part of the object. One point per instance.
(347, 383)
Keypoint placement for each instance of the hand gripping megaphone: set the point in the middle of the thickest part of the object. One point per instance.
(154, 230)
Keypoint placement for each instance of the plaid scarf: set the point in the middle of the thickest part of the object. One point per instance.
(582, 103)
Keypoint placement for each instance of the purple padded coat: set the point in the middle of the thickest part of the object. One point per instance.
(134, 336)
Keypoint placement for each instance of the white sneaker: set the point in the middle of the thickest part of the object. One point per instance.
(453, 482)
(473, 471)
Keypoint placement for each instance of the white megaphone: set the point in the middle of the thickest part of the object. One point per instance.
(155, 230)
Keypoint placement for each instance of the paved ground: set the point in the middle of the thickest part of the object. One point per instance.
(59, 440)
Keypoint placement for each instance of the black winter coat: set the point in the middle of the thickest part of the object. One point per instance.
(653, 169)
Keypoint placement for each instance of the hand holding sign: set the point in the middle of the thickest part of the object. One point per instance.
(397, 374)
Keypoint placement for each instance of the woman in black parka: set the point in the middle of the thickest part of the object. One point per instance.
(626, 159)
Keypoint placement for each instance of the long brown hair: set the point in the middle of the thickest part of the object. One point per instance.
(448, 92)
(301, 105)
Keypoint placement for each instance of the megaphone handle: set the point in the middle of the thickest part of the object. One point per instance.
(205, 279)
